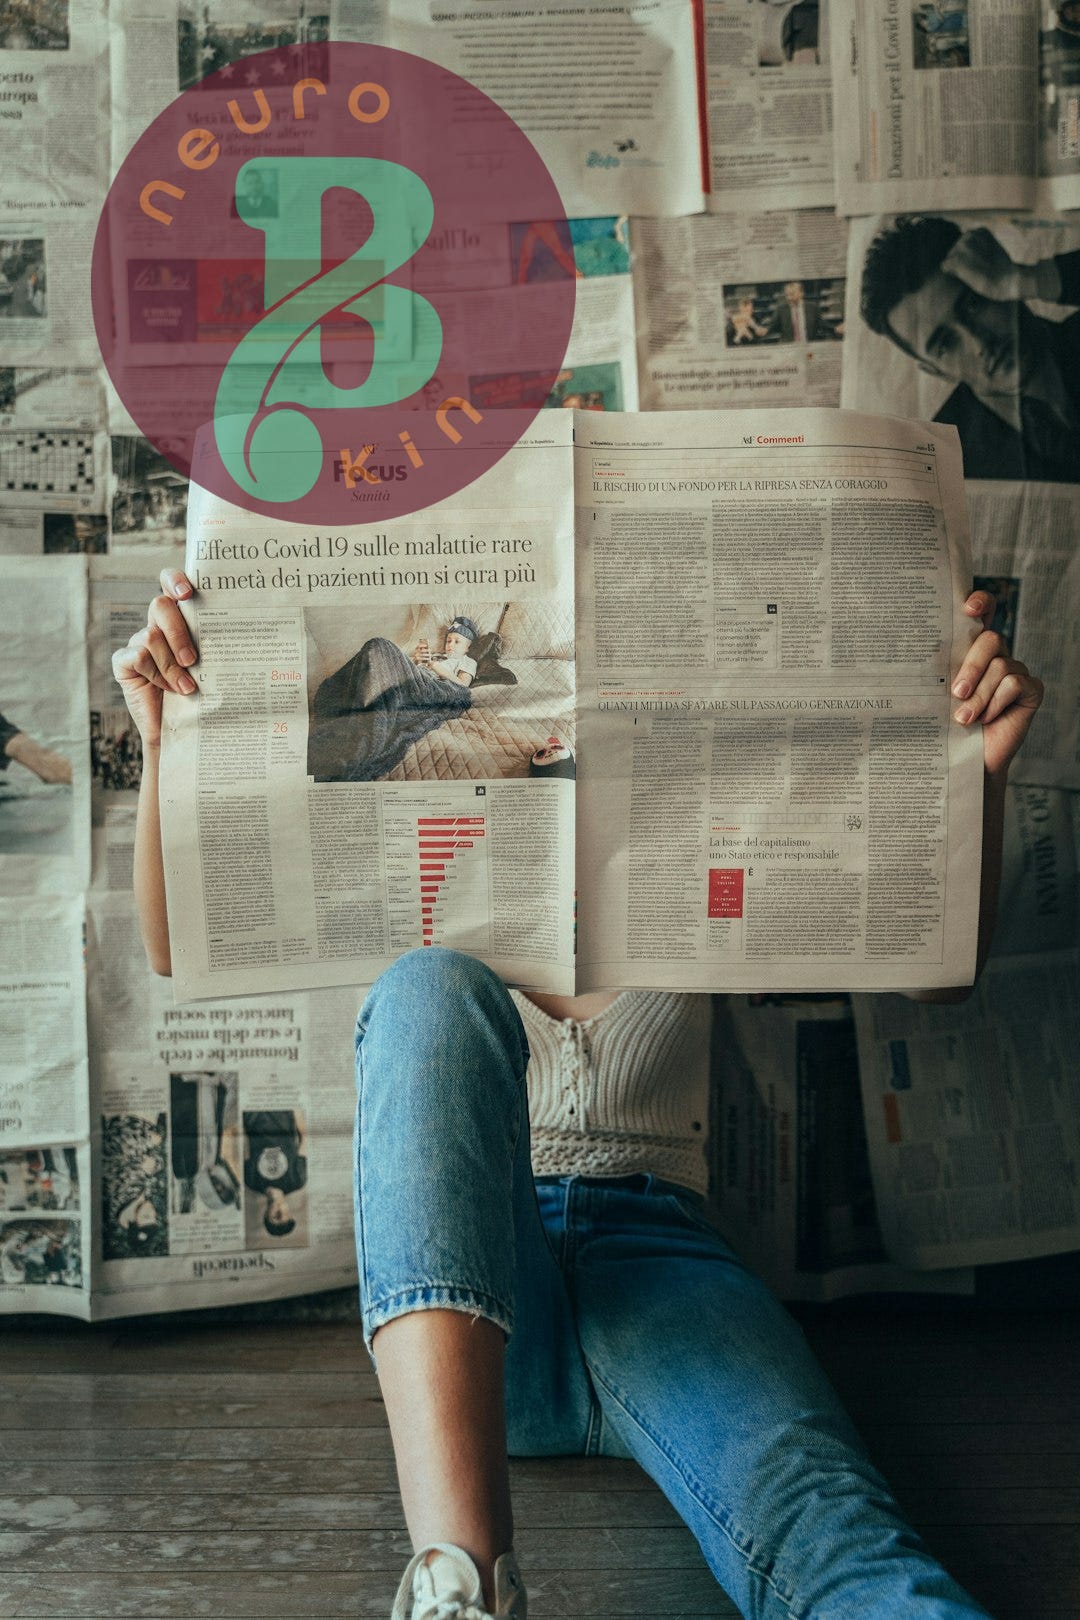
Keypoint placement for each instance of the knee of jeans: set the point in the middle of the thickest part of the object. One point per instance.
(435, 990)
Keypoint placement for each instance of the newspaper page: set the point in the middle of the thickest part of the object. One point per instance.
(44, 759)
(328, 801)
(1059, 106)
(972, 1116)
(740, 309)
(121, 587)
(935, 104)
(771, 791)
(222, 1136)
(975, 320)
(45, 1222)
(608, 94)
(52, 414)
(1024, 547)
(54, 120)
(769, 93)
(792, 1171)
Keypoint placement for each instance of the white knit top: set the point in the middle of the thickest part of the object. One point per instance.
(625, 1091)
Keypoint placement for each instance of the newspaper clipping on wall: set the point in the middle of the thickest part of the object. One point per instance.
(791, 1169)
(740, 310)
(768, 88)
(956, 104)
(971, 1115)
(768, 791)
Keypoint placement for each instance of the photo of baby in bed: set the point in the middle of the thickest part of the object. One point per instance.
(434, 692)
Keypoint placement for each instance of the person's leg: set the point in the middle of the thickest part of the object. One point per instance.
(451, 1247)
(712, 1387)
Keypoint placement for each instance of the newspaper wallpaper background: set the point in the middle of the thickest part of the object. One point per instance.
(135, 1136)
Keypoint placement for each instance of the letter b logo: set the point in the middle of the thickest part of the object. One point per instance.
(270, 447)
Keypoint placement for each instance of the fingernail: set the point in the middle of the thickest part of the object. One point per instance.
(186, 684)
(961, 688)
(186, 656)
(963, 715)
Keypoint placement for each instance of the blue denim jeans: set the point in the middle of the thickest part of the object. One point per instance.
(633, 1329)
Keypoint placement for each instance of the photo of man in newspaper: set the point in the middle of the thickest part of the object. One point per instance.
(959, 305)
(794, 311)
(452, 694)
(275, 1178)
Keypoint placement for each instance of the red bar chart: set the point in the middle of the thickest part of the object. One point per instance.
(438, 882)
(445, 844)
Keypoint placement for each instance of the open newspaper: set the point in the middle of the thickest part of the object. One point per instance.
(769, 790)
(955, 104)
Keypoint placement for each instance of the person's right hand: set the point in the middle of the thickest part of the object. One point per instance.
(157, 660)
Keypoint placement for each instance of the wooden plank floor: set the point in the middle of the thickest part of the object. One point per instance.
(244, 1470)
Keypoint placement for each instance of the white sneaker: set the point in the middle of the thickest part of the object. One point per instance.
(443, 1583)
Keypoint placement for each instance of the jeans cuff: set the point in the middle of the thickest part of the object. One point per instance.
(437, 1297)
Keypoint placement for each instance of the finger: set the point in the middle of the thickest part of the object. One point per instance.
(165, 657)
(1018, 691)
(980, 605)
(1000, 670)
(164, 615)
(986, 647)
(149, 657)
(123, 667)
(133, 668)
(175, 583)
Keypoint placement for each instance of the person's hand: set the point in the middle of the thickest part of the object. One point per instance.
(158, 659)
(979, 260)
(421, 653)
(997, 692)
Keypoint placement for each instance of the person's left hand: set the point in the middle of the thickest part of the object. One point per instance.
(997, 692)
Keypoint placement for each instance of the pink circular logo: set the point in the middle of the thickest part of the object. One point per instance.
(316, 271)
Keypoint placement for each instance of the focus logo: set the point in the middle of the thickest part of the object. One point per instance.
(296, 282)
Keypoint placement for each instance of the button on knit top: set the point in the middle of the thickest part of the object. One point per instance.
(624, 1091)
